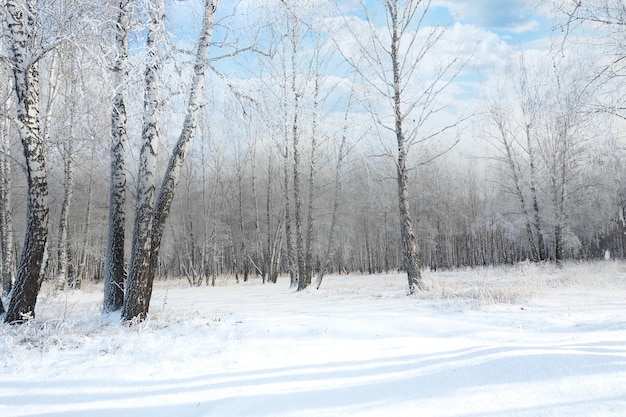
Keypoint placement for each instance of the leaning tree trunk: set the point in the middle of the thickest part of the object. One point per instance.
(516, 176)
(333, 221)
(114, 257)
(409, 243)
(32, 261)
(137, 300)
(137, 296)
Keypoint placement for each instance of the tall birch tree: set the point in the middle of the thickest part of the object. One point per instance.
(6, 217)
(137, 291)
(21, 21)
(114, 274)
(153, 211)
(394, 64)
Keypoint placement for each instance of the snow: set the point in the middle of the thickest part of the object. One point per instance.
(527, 340)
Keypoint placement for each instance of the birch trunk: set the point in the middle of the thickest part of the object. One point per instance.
(145, 254)
(333, 221)
(308, 241)
(26, 74)
(63, 276)
(6, 217)
(114, 274)
(286, 174)
(516, 176)
(541, 246)
(409, 243)
(295, 143)
(137, 291)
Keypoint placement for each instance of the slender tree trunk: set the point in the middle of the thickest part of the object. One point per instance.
(541, 247)
(297, 199)
(86, 231)
(114, 273)
(272, 256)
(6, 217)
(261, 269)
(333, 221)
(498, 118)
(308, 242)
(288, 222)
(297, 196)
(409, 243)
(68, 190)
(242, 231)
(32, 261)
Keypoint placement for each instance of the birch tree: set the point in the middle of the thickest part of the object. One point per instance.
(341, 155)
(24, 57)
(6, 217)
(114, 274)
(395, 62)
(518, 128)
(152, 211)
(138, 285)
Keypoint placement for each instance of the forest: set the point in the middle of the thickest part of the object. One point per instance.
(198, 139)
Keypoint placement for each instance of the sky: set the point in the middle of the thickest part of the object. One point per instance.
(490, 34)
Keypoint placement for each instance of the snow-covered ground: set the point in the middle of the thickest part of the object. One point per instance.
(525, 340)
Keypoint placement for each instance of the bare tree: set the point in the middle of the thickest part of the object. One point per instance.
(392, 63)
(341, 155)
(150, 222)
(517, 135)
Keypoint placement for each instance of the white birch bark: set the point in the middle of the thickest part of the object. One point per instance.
(498, 119)
(114, 274)
(26, 74)
(149, 231)
(409, 243)
(333, 221)
(308, 241)
(6, 217)
(68, 191)
(136, 298)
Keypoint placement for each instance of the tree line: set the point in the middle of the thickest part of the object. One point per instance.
(322, 142)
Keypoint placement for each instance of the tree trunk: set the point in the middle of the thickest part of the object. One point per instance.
(145, 255)
(288, 233)
(32, 261)
(498, 119)
(6, 217)
(333, 221)
(541, 247)
(114, 274)
(308, 243)
(409, 244)
(63, 276)
(138, 286)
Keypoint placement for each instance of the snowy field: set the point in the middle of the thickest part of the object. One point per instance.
(525, 340)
